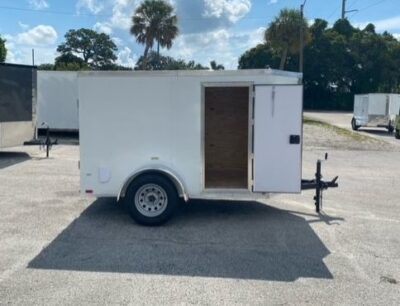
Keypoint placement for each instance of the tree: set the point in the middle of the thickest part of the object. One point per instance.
(215, 66)
(260, 57)
(340, 62)
(155, 61)
(70, 59)
(3, 50)
(46, 67)
(154, 21)
(284, 33)
(95, 49)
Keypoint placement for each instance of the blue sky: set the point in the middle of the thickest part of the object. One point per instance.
(218, 30)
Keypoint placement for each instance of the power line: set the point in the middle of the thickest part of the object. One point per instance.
(52, 12)
(372, 5)
(369, 6)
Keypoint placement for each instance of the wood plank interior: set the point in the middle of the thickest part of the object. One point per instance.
(226, 137)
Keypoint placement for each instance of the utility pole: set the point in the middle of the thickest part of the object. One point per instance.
(344, 11)
(301, 61)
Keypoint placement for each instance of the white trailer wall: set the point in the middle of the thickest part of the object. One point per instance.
(378, 104)
(58, 100)
(133, 120)
(394, 105)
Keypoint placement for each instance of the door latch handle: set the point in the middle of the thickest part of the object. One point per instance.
(294, 139)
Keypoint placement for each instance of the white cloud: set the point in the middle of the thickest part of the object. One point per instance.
(42, 38)
(194, 16)
(23, 26)
(39, 4)
(93, 6)
(22, 54)
(233, 10)
(126, 57)
(387, 24)
(272, 2)
(221, 45)
(103, 27)
(39, 35)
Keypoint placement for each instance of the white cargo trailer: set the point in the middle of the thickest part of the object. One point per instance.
(58, 100)
(151, 137)
(375, 110)
(17, 104)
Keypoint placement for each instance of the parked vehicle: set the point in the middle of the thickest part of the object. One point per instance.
(375, 110)
(57, 104)
(397, 126)
(17, 104)
(150, 138)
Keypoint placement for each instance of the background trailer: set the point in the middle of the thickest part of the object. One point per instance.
(17, 104)
(149, 137)
(375, 110)
(58, 100)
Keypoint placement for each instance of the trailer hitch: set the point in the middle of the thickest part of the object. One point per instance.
(46, 143)
(319, 185)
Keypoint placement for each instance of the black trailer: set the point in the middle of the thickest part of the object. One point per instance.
(17, 104)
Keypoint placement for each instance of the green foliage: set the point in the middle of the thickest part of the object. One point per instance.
(340, 62)
(160, 62)
(283, 33)
(154, 21)
(215, 66)
(47, 67)
(264, 56)
(3, 50)
(95, 49)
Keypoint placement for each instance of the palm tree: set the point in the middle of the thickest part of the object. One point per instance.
(284, 33)
(154, 21)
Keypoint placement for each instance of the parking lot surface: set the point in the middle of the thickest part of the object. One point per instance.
(60, 248)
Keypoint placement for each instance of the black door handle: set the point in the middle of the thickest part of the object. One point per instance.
(294, 139)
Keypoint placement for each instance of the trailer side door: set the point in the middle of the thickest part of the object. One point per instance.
(277, 145)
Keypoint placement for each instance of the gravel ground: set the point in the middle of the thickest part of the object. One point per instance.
(343, 120)
(58, 248)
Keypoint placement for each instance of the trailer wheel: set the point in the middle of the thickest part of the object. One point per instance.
(151, 199)
(397, 134)
(354, 125)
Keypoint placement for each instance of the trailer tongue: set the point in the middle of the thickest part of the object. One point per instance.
(319, 185)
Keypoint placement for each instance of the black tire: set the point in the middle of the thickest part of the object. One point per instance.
(151, 199)
(354, 126)
(397, 134)
(390, 129)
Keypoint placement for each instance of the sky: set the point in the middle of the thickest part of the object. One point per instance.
(218, 30)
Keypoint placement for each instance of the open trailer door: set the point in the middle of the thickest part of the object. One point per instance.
(278, 134)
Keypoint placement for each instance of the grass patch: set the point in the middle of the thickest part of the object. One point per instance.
(340, 131)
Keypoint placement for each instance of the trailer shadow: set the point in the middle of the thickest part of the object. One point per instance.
(377, 132)
(8, 159)
(239, 240)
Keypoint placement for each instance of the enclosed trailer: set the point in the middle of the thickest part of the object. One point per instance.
(375, 110)
(17, 104)
(151, 137)
(58, 100)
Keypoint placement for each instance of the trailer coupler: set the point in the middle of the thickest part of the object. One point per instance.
(319, 185)
(46, 143)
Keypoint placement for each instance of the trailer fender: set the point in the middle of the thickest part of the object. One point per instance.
(170, 174)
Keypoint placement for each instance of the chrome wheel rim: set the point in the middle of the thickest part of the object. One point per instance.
(151, 200)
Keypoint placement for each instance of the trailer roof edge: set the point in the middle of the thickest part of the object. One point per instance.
(192, 73)
(18, 65)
